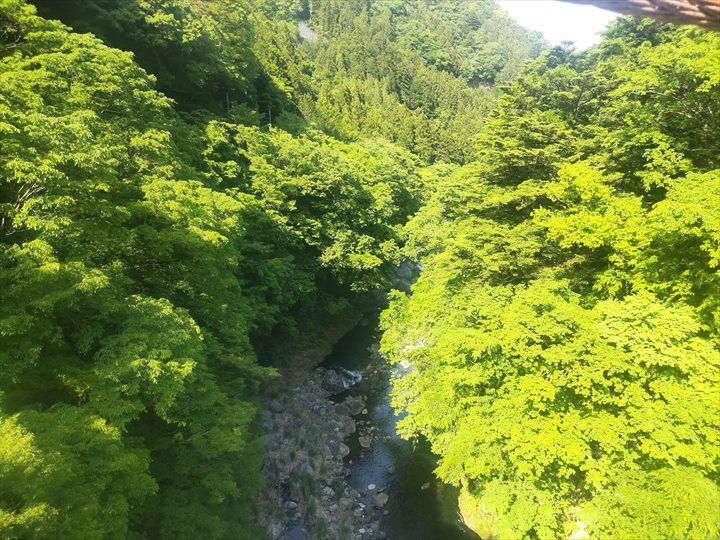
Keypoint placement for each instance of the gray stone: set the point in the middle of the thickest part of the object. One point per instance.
(406, 270)
(344, 450)
(276, 406)
(380, 499)
(267, 420)
(365, 442)
(333, 382)
(355, 405)
(273, 442)
(342, 409)
(276, 530)
(348, 426)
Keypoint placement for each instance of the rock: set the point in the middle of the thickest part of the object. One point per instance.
(276, 406)
(380, 499)
(364, 411)
(273, 442)
(333, 382)
(344, 450)
(336, 381)
(267, 420)
(351, 376)
(291, 505)
(342, 409)
(364, 442)
(371, 487)
(328, 491)
(348, 425)
(355, 405)
(276, 530)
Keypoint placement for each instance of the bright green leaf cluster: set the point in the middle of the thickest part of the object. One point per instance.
(563, 339)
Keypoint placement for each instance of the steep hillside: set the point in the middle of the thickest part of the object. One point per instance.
(174, 217)
(414, 73)
(191, 192)
(563, 336)
(149, 263)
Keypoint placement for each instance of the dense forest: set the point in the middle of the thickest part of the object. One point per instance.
(564, 331)
(193, 191)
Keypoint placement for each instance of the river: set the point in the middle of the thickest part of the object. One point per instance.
(419, 506)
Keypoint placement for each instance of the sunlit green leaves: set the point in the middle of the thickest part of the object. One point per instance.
(562, 339)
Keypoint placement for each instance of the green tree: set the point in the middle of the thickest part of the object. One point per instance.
(563, 337)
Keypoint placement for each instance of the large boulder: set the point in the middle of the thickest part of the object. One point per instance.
(343, 450)
(364, 441)
(380, 500)
(355, 405)
(277, 406)
(347, 426)
(333, 382)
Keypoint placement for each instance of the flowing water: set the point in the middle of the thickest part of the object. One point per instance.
(419, 506)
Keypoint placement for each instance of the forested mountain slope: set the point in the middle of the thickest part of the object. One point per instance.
(564, 332)
(407, 72)
(144, 260)
(189, 192)
(415, 72)
(171, 222)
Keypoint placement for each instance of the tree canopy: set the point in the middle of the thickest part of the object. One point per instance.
(563, 336)
(146, 257)
(190, 192)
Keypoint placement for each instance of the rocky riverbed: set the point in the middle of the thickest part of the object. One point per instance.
(335, 466)
(306, 465)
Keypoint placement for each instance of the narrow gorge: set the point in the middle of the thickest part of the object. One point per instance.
(347, 269)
